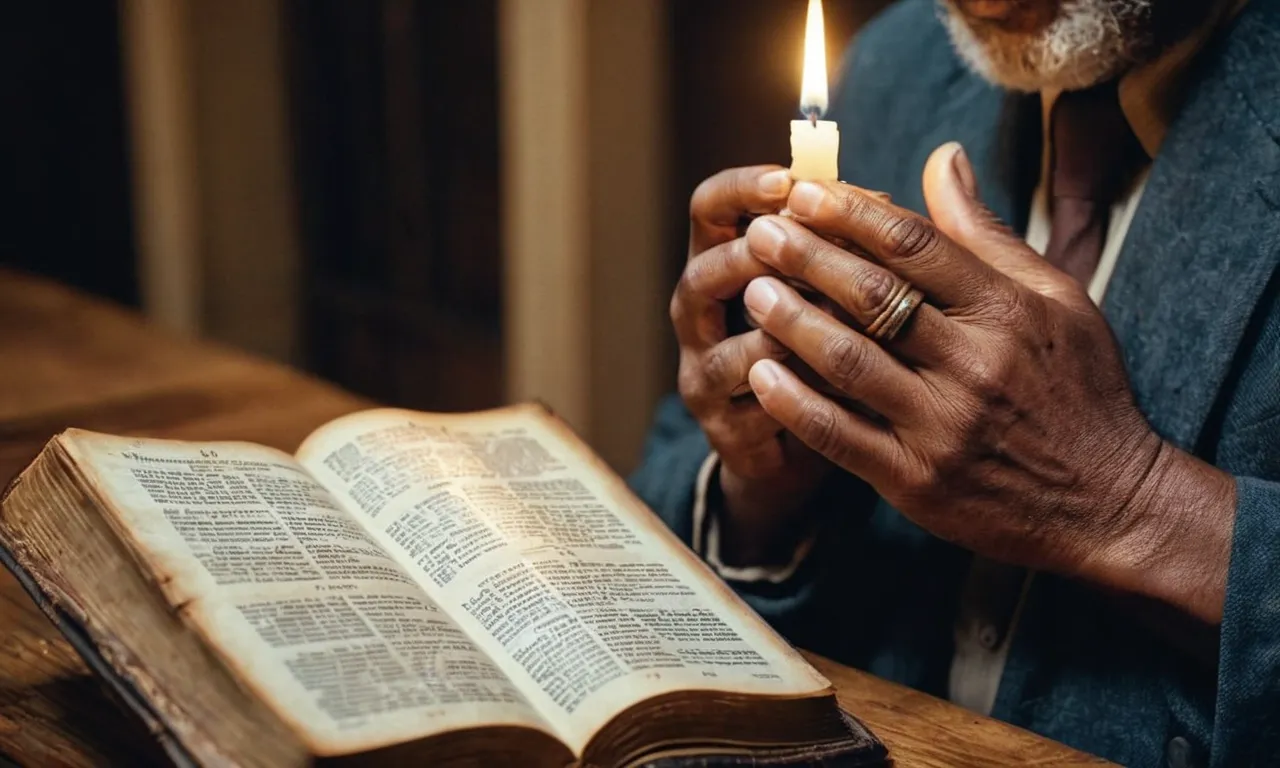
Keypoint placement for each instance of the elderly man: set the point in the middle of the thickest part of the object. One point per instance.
(1029, 458)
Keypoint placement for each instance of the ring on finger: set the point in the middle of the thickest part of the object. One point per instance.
(902, 303)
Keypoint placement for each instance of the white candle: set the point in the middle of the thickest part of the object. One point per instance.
(815, 148)
(815, 144)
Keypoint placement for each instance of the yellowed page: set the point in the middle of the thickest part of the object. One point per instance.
(543, 555)
(300, 602)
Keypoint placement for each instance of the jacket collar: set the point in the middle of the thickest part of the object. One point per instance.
(1205, 241)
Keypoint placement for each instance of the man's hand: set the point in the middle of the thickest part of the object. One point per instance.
(1003, 417)
(765, 476)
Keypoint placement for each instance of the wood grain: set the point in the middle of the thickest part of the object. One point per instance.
(68, 360)
(923, 732)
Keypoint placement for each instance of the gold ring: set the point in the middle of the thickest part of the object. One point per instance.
(901, 305)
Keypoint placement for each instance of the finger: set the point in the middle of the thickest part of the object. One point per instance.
(951, 194)
(865, 290)
(721, 272)
(720, 201)
(876, 193)
(748, 439)
(848, 439)
(851, 362)
(709, 279)
(724, 367)
(905, 242)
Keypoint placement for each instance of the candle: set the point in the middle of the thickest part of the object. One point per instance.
(815, 144)
(815, 147)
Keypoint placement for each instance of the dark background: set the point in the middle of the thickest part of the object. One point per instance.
(64, 166)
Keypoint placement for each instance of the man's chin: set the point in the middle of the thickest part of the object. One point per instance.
(1013, 44)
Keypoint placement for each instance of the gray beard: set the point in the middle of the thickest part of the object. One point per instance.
(1090, 41)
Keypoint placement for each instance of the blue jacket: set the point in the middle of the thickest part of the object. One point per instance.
(1193, 302)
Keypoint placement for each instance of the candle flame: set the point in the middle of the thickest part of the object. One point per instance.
(813, 85)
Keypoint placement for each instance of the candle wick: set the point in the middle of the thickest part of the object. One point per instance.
(813, 116)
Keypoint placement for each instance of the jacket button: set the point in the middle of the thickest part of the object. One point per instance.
(1178, 753)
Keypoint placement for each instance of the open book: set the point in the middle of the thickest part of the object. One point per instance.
(435, 589)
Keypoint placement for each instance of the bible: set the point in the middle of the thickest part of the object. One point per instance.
(442, 589)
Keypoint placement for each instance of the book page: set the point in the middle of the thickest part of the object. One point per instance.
(294, 595)
(543, 555)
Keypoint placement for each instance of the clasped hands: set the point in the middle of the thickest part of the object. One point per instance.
(999, 418)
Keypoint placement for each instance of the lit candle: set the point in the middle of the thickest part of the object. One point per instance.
(815, 144)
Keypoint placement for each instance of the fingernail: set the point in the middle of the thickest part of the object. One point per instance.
(760, 296)
(775, 183)
(805, 198)
(964, 172)
(765, 237)
(763, 376)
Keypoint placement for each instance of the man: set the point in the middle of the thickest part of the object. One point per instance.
(992, 489)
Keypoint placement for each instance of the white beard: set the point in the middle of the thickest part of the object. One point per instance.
(1089, 42)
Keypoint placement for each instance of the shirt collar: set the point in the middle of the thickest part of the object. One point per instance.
(1151, 94)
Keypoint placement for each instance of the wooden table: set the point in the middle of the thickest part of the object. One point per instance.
(68, 360)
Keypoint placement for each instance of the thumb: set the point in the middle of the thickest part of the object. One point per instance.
(951, 194)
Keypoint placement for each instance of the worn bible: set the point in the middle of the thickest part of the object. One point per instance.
(408, 588)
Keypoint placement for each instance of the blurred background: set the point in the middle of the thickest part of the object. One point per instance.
(439, 205)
